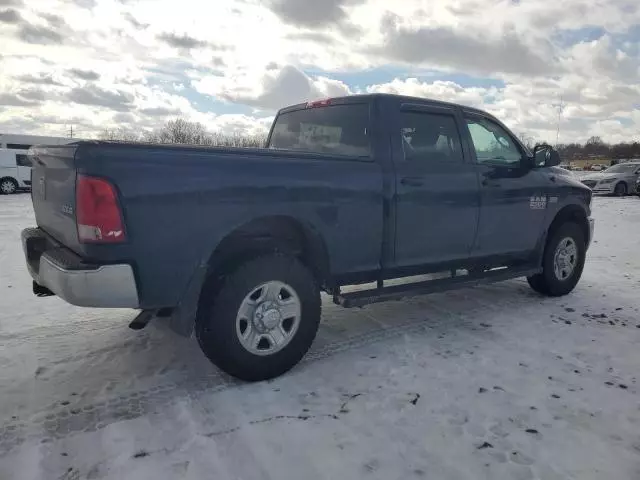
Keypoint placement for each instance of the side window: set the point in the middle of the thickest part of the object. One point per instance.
(23, 160)
(430, 137)
(492, 143)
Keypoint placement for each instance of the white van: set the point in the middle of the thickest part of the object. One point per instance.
(15, 170)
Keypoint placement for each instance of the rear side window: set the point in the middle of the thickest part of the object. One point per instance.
(335, 129)
(23, 160)
(430, 137)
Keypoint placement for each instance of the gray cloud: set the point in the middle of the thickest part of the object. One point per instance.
(39, 35)
(38, 80)
(159, 111)
(54, 20)
(444, 47)
(132, 20)
(124, 118)
(32, 94)
(10, 100)
(10, 16)
(181, 41)
(11, 3)
(311, 36)
(93, 95)
(312, 13)
(84, 74)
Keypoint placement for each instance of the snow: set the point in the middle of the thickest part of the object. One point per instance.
(494, 382)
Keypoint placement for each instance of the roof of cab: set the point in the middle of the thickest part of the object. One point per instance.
(369, 96)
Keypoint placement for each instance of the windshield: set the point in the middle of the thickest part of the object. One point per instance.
(623, 167)
(336, 129)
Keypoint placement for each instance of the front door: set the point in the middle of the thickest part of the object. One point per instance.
(437, 199)
(513, 195)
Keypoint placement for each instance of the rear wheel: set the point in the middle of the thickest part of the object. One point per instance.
(262, 320)
(620, 189)
(562, 263)
(8, 186)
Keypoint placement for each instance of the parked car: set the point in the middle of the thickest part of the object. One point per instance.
(617, 180)
(597, 167)
(235, 245)
(15, 171)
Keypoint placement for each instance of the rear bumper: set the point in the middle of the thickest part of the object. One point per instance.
(64, 273)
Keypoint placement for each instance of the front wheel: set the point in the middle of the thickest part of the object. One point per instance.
(562, 263)
(262, 320)
(620, 189)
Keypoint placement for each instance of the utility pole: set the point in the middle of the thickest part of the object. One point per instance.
(71, 132)
(560, 110)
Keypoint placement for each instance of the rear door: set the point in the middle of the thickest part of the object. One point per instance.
(514, 196)
(437, 201)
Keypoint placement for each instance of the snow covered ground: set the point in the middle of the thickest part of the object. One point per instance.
(492, 383)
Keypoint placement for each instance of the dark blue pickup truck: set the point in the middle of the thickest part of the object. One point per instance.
(235, 245)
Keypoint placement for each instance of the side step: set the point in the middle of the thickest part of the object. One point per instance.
(397, 292)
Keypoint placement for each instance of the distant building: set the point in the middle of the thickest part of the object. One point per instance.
(24, 142)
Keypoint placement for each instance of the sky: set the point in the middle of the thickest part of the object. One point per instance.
(230, 64)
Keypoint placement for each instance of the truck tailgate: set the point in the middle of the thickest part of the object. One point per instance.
(53, 192)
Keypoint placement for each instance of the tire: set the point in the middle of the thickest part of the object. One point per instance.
(620, 189)
(8, 186)
(221, 328)
(548, 282)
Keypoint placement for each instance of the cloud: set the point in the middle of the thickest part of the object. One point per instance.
(54, 20)
(132, 20)
(273, 90)
(84, 74)
(314, 13)
(11, 3)
(159, 111)
(10, 16)
(39, 35)
(88, 4)
(181, 41)
(462, 49)
(10, 100)
(93, 95)
(46, 79)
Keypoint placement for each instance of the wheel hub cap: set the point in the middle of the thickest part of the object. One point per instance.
(565, 259)
(267, 317)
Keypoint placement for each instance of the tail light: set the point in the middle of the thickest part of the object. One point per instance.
(98, 213)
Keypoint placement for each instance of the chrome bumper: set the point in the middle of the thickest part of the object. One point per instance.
(105, 286)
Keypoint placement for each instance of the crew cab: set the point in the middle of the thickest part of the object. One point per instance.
(235, 245)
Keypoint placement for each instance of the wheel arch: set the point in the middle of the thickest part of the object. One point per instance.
(271, 234)
(569, 213)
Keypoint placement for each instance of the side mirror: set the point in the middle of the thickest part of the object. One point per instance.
(545, 155)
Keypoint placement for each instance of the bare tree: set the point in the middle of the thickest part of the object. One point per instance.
(184, 131)
(119, 134)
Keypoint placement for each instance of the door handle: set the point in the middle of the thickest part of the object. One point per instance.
(412, 181)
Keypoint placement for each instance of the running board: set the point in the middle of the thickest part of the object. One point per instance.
(398, 292)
